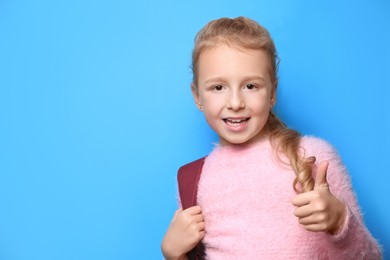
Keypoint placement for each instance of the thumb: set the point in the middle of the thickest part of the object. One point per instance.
(177, 212)
(321, 175)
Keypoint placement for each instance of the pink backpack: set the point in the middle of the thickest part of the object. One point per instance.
(188, 179)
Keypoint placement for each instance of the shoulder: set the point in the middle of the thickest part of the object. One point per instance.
(314, 146)
(315, 142)
(196, 162)
(337, 174)
(192, 166)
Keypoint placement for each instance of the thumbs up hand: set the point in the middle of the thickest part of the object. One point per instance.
(319, 210)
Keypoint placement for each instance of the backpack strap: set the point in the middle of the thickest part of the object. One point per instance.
(188, 179)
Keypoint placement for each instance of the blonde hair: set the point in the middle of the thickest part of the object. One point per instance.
(245, 33)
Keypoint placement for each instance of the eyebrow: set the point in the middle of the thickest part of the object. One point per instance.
(245, 79)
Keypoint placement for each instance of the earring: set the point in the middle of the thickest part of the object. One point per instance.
(200, 106)
(273, 101)
(271, 106)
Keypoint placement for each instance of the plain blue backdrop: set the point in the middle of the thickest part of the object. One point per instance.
(96, 113)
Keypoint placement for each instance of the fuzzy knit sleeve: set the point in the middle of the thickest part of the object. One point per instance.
(353, 241)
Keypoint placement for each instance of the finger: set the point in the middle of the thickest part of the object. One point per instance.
(201, 226)
(309, 220)
(302, 199)
(193, 210)
(321, 175)
(197, 218)
(177, 212)
(303, 211)
(316, 227)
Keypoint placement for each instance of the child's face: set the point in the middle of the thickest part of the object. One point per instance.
(235, 92)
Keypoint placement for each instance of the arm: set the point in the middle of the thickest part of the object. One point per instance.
(332, 208)
(183, 234)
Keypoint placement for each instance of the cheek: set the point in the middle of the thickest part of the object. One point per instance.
(260, 104)
(213, 104)
(211, 109)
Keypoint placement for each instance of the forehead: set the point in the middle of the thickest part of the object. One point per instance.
(232, 62)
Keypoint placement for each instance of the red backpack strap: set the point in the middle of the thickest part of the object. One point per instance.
(188, 179)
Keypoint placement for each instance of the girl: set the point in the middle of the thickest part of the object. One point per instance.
(261, 194)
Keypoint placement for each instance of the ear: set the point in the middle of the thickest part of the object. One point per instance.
(195, 94)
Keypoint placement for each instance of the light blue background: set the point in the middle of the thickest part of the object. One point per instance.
(96, 113)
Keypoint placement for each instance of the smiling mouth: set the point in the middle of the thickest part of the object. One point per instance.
(235, 122)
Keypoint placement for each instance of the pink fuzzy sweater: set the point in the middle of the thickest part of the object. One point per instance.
(245, 193)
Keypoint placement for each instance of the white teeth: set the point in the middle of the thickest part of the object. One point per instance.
(235, 122)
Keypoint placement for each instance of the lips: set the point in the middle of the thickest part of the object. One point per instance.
(235, 122)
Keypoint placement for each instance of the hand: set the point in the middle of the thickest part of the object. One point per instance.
(319, 210)
(184, 233)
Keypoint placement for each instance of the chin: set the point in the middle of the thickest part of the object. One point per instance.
(235, 141)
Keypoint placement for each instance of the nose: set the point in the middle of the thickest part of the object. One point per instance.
(235, 100)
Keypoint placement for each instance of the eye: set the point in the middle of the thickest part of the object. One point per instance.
(250, 86)
(218, 88)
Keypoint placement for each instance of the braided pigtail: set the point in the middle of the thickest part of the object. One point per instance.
(286, 141)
